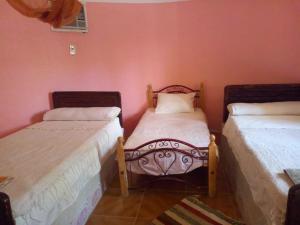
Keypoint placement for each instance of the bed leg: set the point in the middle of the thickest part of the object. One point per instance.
(122, 167)
(6, 217)
(212, 166)
(293, 206)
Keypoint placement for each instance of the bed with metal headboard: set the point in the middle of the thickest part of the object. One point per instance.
(59, 100)
(256, 93)
(164, 155)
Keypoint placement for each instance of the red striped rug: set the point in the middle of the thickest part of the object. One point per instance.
(191, 211)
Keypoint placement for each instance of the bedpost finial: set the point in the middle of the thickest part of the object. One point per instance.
(150, 96)
(121, 139)
(201, 100)
(212, 138)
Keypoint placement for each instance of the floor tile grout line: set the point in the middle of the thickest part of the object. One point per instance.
(135, 218)
(114, 216)
(139, 209)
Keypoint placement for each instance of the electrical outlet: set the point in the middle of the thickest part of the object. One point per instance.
(72, 49)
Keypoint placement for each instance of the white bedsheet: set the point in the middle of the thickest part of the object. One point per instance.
(264, 146)
(188, 127)
(51, 162)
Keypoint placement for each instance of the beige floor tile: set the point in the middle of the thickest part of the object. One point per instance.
(156, 202)
(143, 205)
(224, 203)
(109, 220)
(113, 204)
(142, 221)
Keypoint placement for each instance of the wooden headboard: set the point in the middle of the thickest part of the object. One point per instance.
(259, 93)
(199, 97)
(87, 99)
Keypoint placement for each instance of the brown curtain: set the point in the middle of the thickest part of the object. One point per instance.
(55, 12)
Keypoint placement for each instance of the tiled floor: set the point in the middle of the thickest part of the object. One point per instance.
(142, 206)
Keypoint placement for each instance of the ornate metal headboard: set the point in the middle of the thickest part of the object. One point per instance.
(87, 99)
(259, 93)
(199, 97)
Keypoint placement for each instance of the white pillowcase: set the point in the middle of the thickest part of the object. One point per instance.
(270, 108)
(82, 114)
(175, 103)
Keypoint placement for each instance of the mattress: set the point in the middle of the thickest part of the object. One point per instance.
(187, 127)
(264, 146)
(65, 155)
(79, 212)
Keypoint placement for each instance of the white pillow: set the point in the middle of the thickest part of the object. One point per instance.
(175, 103)
(270, 108)
(82, 114)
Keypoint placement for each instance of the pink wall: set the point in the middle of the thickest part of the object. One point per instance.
(128, 46)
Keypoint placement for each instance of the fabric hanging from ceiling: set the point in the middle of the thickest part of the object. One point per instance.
(55, 12)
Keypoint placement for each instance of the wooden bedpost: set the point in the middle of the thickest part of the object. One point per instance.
(212, 166)
(201, 97)
(122, 167)
(150, 96)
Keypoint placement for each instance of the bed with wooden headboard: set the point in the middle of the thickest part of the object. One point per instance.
(257, 93)
(163, 155)
(65, 100)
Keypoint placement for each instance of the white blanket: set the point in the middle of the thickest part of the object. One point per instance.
(264, 146)
(51, 162)
(187, 127)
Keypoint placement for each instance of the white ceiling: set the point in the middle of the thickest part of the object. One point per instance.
(134, 1)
